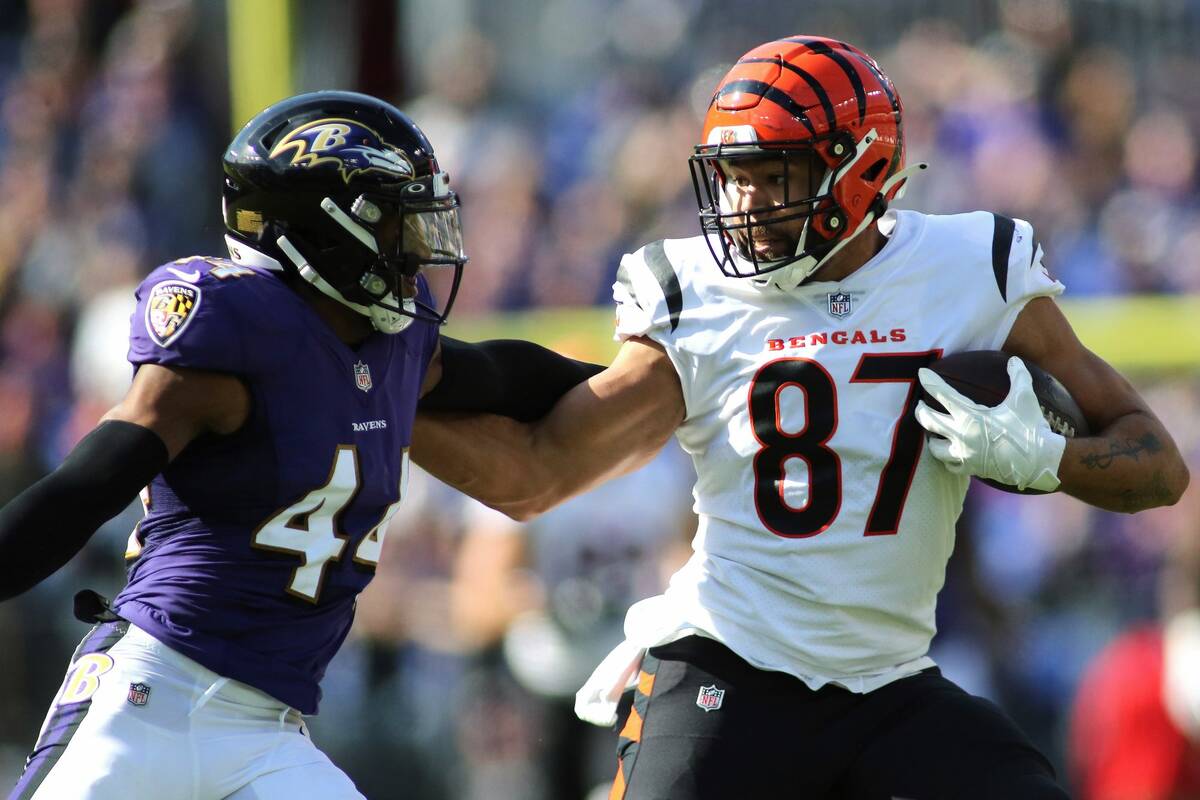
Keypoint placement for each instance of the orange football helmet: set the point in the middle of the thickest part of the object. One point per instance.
(802, 97)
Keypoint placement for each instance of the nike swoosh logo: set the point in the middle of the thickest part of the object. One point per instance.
(190, 277)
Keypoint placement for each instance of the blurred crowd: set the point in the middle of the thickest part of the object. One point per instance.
(567, 138)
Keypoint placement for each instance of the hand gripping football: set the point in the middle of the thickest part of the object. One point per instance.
(982, 376)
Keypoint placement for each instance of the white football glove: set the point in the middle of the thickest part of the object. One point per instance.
(1010, 443)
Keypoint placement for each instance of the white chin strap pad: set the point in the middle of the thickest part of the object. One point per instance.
(381, 319)
(389, 321)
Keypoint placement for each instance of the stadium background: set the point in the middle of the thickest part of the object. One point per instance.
(565, 126)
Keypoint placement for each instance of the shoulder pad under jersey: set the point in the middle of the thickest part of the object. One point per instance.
(647, 292)
(209, 313)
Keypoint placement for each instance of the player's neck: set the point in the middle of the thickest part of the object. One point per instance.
(348, 325)
(855, 254)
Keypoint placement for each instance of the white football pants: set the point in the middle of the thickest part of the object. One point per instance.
(192, 736)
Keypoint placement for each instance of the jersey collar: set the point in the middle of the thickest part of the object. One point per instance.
(246, 256)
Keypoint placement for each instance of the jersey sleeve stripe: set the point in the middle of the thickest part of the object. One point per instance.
(660, 266)
(627, 283)
(1002, 237)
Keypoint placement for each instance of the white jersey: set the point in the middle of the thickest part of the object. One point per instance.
(824, 528)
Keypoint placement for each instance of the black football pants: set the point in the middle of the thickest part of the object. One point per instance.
(767, 735)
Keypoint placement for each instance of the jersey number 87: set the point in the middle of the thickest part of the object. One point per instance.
(811, 443)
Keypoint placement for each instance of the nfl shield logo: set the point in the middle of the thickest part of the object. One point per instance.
(839, 304)
(139, 694)
(362, 376)
(710, 698)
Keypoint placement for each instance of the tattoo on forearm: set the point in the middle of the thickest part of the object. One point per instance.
(1154, 493)
(1131, 448)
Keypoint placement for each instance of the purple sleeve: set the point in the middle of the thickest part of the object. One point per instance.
(188, 324)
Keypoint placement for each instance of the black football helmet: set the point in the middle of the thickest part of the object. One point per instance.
(344, 189)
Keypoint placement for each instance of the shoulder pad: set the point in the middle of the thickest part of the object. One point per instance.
(194, 268)
(1001, 247)
(649, 279)
(1015, 251)
(208, 313)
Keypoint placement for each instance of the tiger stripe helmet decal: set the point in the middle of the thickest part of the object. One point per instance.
(811, 95)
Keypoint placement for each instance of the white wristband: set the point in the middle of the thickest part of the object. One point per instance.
(1051, 447)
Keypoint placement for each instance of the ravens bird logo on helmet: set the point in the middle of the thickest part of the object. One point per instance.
(343, 189)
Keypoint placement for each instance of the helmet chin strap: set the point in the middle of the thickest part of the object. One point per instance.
(381, 319)
(794, 274)
(791, 276)
(364, 236)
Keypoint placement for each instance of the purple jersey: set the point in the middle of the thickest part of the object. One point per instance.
(255, 545)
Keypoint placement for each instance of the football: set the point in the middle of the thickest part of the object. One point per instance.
(982, 375)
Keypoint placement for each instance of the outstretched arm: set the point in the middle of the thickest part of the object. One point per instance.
(1130, 462)
(511, 377)
(46, 525)
(611, 424)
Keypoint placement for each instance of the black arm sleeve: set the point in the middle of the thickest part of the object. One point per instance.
(514, 378)
(47, 524)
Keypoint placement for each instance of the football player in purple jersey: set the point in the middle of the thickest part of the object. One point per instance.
(267, 428)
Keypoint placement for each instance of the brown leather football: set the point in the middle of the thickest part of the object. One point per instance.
(982, 375)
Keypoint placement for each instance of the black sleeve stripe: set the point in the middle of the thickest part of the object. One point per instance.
(780, 98)
(1033, 253)
(664, 273)
(623, 279)
(1002, 237)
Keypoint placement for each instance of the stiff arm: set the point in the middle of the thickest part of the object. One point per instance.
(607, 426)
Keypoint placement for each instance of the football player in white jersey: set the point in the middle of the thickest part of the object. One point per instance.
(790, 655)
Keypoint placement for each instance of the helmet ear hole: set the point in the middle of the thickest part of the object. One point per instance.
(871, 173)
